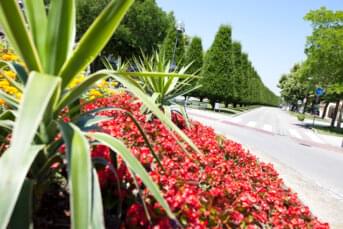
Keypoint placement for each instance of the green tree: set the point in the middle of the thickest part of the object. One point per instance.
(245, 78)
(324, 49)
(292, 87)
(218, 68)
(143, 28)
(238, 91)
(194, 55)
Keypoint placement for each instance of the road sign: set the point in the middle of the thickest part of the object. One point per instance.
(319, 91)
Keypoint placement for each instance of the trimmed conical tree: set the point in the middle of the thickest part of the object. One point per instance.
(245, 78)
(195, 56)
(218, 68)
(238, 90)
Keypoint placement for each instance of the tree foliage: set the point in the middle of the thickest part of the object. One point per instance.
(229, 76)
(143, 28)
(194, 55)
(218, 67)
(324, 64)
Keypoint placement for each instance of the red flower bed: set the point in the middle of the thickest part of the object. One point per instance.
(226, 187)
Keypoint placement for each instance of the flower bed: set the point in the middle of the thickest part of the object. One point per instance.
(226, 187)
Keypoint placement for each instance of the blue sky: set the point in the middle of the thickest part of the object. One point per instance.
(272, 32)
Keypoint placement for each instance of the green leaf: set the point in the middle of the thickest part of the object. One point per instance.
(37, 94)
(91, 123)
(11, 81)
(9, 99)
(185, 116)
(151, 105)
(134, 165)
(97, 208)
(95, 39)
(8, 115)
(13, 23)
(158, 75)
(61, 34)
(76, 92)
(21, 154)
(90, 118)
(80, 175)
(37, 20)
(10, 187)
(167, 112)
(8, 124)
(22, 214)
(182, 92)
(21, 72)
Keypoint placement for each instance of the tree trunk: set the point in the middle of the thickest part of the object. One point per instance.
(212, 102)
(201, 99)
(226, 104)
(335, 114)
(325, 109)
(234, 105)
(340, 117)
(305, 105)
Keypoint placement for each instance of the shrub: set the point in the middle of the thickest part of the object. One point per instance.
(301, 117)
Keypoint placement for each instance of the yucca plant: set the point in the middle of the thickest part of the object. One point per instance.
(45, 43)
(176, 82)
(164, 87)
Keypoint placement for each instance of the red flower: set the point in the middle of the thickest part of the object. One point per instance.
(204, 191)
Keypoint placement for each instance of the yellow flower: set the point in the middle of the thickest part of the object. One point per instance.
(94, 93)
(2, 102)
(76, 81)
(9, 57)
(10, 74)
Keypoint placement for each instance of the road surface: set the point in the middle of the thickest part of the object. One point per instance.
(304, 159)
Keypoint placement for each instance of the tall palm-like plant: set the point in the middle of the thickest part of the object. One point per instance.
(176, 82)
(154, 75)
(45, 43)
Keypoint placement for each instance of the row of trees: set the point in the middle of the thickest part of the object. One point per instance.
(323, 66)
(228, 74)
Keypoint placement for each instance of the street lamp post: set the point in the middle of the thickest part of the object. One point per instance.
(180, 29)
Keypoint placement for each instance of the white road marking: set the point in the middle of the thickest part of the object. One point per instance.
(236, 120)
(251, 124)
(268, 128)
(295, 133)
(313, 137)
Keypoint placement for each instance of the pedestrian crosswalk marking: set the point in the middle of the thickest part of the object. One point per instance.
(313, 137)
(295, 133)
(268, 128)
(236, 120)
(251, 124)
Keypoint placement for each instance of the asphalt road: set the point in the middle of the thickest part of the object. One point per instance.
(301, 154)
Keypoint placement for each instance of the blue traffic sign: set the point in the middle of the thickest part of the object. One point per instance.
(319, 91)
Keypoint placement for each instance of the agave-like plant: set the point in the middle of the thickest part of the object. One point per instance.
(170, 83)
(164, 89)
(44, 40)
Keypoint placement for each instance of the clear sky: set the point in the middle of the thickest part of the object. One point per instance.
(272, 32)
